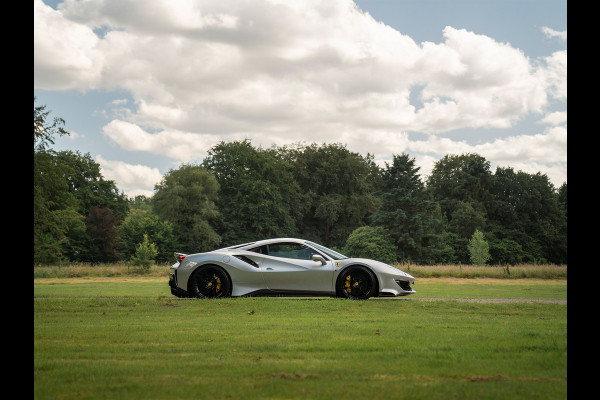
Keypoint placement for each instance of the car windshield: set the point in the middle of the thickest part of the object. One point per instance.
(333, 254)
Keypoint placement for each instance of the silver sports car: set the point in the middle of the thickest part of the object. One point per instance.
(285, 266)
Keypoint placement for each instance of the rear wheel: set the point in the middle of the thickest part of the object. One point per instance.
(209, 282)
(356, 283)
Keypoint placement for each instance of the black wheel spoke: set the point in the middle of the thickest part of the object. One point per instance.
(360, 285)
(356, 283)
(211, 282)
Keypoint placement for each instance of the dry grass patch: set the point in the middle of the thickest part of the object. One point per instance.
(161, 271)
(531, 271)
(488, 281)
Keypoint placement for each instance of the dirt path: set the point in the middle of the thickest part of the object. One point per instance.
(492, 300)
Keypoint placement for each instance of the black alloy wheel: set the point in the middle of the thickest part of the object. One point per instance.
(210, 282)
(357, 283)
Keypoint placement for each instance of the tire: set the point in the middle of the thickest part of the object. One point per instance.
(209, 282)
(357, 283)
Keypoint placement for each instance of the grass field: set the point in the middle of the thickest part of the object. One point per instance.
(126, 337)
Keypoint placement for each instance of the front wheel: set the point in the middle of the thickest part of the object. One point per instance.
(209, 282)
(356, 283)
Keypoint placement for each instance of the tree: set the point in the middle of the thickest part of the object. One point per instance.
(525, 208)
(186, 198)
(85, 181)
(562, 197)
(140, 202)
(102, 236)
(337, 190)
(478, 249)
(371, 242)
(320, 192)
(72, 181)
(145, 253)
(462, 178)
(43, 132)
(258, 196)
(506, 251)
(408, 213)
(56, 223)
(54, 210)
(465, 219)
(140, 222)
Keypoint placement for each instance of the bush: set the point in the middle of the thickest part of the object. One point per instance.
(371, 242)
(478, 249)
(506, 251)
(145, 253)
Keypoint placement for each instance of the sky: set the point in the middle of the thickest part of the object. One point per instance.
(145, 86)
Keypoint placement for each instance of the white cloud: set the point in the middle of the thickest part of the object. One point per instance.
(65, 52)
(206, 69)
(473, 81)
(544, 152)
(132, 179)
(547, 147)
(555, 74)
(281, 72)
(551, 33)
(555, 118)
(425, 164)
(183, 146)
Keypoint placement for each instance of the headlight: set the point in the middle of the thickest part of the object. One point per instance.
(399, 271)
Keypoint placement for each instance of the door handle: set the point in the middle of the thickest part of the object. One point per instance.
(269, 269)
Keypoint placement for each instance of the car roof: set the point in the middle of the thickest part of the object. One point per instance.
(269, 241)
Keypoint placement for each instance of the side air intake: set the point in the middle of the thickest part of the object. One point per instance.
(247, 260)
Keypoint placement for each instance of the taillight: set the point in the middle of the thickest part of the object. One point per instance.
(180, 256)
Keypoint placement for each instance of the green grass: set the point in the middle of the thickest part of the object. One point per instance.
(133, 340)
(491, 289)
(426, 288)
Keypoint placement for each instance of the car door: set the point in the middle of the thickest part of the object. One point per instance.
(288, 266)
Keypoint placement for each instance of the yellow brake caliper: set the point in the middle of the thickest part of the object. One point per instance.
(218, 282)
(347, 284)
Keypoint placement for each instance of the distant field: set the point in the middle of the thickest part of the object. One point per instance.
(489, 271)
(418, 271)
(126, 337)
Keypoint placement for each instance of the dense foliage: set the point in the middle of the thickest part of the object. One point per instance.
(371, 242)
(326, 193)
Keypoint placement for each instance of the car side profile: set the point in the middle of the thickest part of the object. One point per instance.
(284, 266)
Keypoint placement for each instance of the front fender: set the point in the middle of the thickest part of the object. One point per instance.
(353, 263)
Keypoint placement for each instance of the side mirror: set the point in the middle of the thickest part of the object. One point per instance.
(319, 258)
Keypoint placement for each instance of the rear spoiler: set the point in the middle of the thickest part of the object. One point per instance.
(180, 256)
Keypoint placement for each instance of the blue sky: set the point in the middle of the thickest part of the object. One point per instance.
(146, 86)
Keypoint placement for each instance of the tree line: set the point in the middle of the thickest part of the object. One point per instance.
(240, 193)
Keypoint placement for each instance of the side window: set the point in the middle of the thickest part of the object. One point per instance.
(291, 250)
(259, 250)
